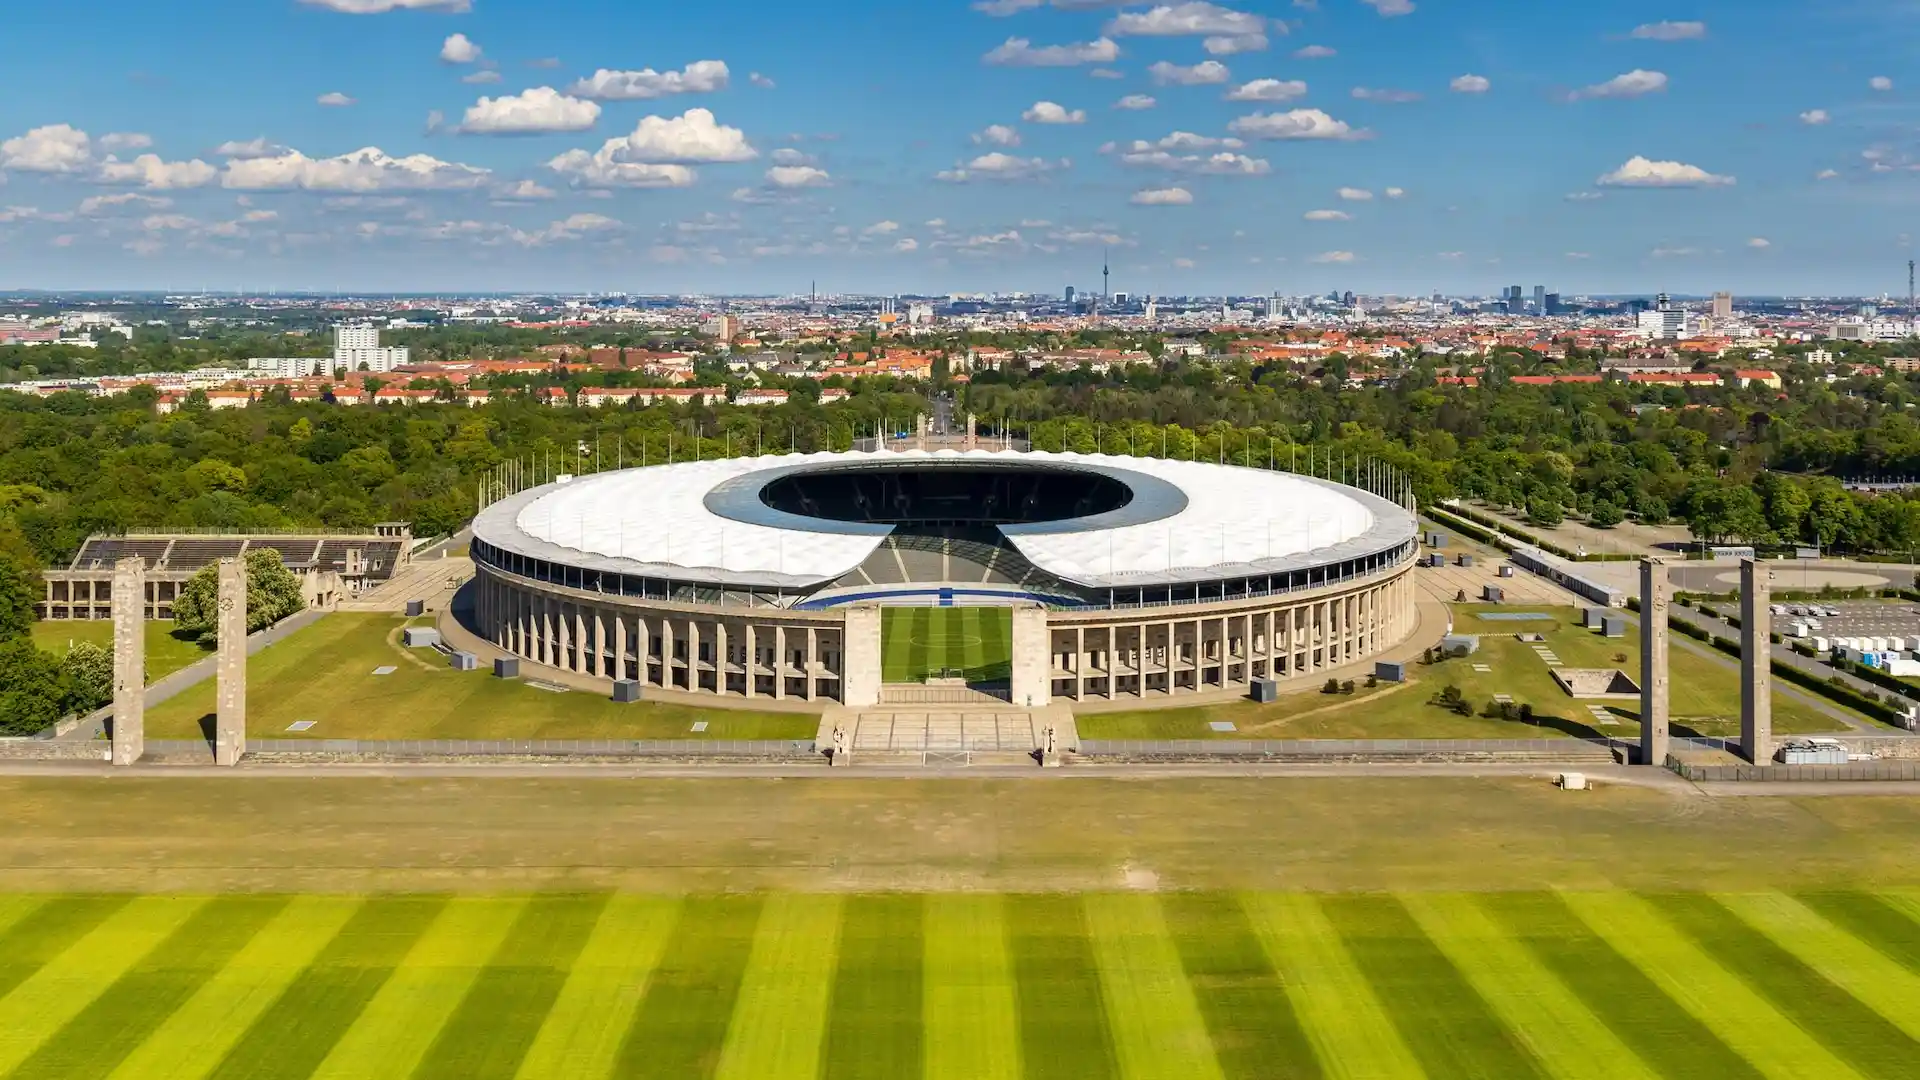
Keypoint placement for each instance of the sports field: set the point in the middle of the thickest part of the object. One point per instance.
(974, 986)
(917, 642)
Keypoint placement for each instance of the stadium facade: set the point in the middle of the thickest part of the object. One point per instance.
(1131, 579)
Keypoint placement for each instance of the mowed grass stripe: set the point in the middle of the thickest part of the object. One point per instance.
(681, 1023)
(996, 650)
(1158, 1032)
(502, 1013)
(1855, 1033)
(878, 989)
(1875, 980)
(970, 1014)
(1689, 974)
(70, 982)
(1343, 1019)
(1882, 922)
(396, 1028)
(1249, 1018)
(581, 1037)
(139, 1001)
(293, 1036)
(46, 931)
(192, 1041)
(1063, 1023)
(14, 908)
(1444, 1022)
(1563, 1033)
(1631, 1005)
(779, 1020)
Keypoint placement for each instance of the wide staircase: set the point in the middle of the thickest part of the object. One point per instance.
(944, 735)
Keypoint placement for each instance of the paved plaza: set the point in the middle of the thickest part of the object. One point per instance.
(944, 731)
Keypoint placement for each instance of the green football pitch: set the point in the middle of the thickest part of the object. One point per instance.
(976, 986)
(975, 642)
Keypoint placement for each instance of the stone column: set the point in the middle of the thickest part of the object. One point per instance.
(1080, 663)
(1756, 662)
(230, 722)
(813, 657)
(1654, 598)
(860, 657)
(600, 645)
(1032, 658)
(779, 662)
(722, 657)
(753, 659)
(620, 646)
(129, 660)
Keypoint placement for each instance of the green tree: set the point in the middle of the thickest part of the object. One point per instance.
(31, 694)
(273, 593)
(18, 595)
(1604, 515)
(87, 671)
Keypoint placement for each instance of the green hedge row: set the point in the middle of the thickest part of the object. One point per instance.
(1882, 679)
(1838, 693)
(1528, 538)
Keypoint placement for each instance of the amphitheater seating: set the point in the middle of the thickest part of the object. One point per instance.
(294, 551)
(190, 553)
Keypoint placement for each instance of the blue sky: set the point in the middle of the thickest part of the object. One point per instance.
(1767, 146)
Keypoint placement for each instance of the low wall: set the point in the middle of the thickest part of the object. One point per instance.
(52, 750)
(1887, 770)
(1355, 749)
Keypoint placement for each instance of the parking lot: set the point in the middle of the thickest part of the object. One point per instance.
(1856, 618)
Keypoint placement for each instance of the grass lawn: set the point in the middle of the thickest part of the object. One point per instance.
(325, 673)
(1205, 985)
(917, 642)
(1705, 695)
(166, 654)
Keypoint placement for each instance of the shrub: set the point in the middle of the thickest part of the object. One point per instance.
(1332, 687)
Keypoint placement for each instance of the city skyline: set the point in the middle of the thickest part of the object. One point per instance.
(1386, 146)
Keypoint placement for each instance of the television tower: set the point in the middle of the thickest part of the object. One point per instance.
(1105, 272)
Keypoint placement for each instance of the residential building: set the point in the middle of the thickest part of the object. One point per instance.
(356, 347)
(1723, 305)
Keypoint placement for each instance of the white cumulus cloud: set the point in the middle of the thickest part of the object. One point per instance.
(1633, 84)
(1354, 194)
(999, 166)
(537, 110)
(1880, 82)
(1136, 102)
(1296, 124)
(1173, 196)
(907, 243)
(997, 135)
(381, 7)
(459, 49)
(1195, 18)
(250, 148)
(333, 99)
(699, 77)
(1391, 8)
(1641, 172)
(368, 169)
(523, 191)
(694, 137)
(116, 141)
(1335, 257)
(1470, 84)
(1268, 90)
(55, 148)
(797, 176)
(1047, 112)
(881, 228)
(1385, 96)
(149, 171)
(1327, 215)
(1314, 52)
(1814, 117)
(1670, 31)
(1205, 73)
(1234, 45)
(1020, 52)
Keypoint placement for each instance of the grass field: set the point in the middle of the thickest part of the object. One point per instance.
(1186, 986)
(1705, 695)
(166, 654)
(325, 673)
(920, 641)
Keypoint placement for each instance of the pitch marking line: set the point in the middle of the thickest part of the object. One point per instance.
(403, 1019)
(780, 1018)
(1696, 982)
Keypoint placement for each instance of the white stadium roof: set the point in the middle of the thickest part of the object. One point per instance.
(1206, 521)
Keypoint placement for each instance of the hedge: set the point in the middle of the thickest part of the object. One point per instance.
(1880, 678)
(1844, 695)
(1528, 538)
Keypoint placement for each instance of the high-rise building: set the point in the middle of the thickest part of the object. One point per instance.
(1346, 298)
(1122, 299)
(1539, 299)
(1552, 304)
(1723, 305)
(1273, 307)
(356, 347)
(1070, 295)
(1666, 321)
(1153, 309)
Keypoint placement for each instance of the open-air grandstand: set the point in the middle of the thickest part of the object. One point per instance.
(331, 565)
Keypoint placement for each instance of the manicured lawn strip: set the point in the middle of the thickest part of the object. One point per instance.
(1063, 1025)
(1444, 1022)
(996, 650)
(397, 1027)
(504, 1009)
(1873, 979)
(970, 1013)
(46, 931)
(1250, 1020)
(294, 1035)
(192, 1041)
(919, 643)
(682, 1021)
(1882, 922)
(581, 1037)
(1851, 1030)
(1572, 1042)
(1158, 1033)
(1346, 1023)
(69, 983)
(15, 908)
(1694, 979)
(166, 654)
(141, 1000)
(878, 990)
(779, 1024)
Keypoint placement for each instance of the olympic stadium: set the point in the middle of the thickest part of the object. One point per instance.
(1086, 577)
